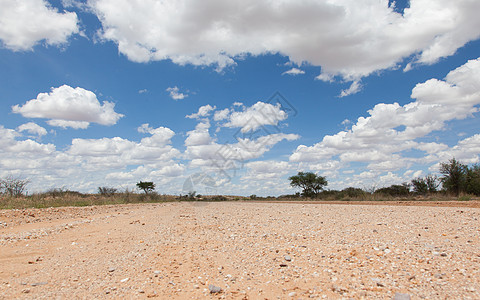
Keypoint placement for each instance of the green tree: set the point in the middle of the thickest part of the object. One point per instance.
(472, 184)
(309, 182)
(146, 186)
(426, 185)
(419, 186)
(454, 176)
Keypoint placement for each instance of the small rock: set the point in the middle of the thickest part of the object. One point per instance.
(39, 283)
(292, 294)
(125, 279)
(214, 289)
(288, 258)
(400, 296)
(378, 282)
(111, 269)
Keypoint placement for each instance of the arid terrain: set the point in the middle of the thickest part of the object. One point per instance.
(242, 250)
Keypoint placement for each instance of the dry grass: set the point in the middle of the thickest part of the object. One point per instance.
(67, 198)
(64, 198)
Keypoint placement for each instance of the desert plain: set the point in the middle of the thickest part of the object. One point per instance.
(242, 250)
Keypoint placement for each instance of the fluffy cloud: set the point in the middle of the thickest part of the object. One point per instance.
(203, 151)
(32, 128)
(293, 71)
(199, 136)
(27, 22)
(354, 88)
(390, 129)
(351, 39)
(203, 111)
(69, 107)
(259, 114)
(175, 93)
(261, 170)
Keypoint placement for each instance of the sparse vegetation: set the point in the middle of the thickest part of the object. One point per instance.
(106, 191)
(458, 180)
(395, 190)
(13, 187)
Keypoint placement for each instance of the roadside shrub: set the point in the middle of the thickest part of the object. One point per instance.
(13, 187)
(352, 192)
(106, 191)
(395, 190)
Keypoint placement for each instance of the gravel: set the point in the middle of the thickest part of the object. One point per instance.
(252, 250)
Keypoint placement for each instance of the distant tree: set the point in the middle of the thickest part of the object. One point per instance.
(472, 184)
(13, 187)
(310, 183)
(454, 176)
(146, 186)
(425, 185)
(432, 183)
(420, 186)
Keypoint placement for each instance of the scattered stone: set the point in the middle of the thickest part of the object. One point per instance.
(339, 289)
(39, 283)
(378, 282)
(283, 265)
(111, 269)
(214, 289)
(400, 296)
(124, 279)
(288, 258)
(292, 294)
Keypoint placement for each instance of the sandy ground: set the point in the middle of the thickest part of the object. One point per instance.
(248, 250)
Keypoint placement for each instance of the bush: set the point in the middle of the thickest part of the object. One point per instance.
(352, 192)
(106, 191)
(13, 187)
(395, 190)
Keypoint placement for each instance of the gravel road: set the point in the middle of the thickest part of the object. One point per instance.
(241, 250)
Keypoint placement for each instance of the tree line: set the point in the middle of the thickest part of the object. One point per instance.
(456, 178)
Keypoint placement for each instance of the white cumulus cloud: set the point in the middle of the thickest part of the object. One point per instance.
(293, 71)
(351, 39)
(32, 128)
(259, 114)
(175, 93)
(203, 111)
(24, 23)
(69, 107)
(390, 129)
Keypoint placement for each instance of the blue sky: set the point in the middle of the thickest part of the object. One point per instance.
(233, 97)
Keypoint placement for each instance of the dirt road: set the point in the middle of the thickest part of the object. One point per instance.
(248, 250)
